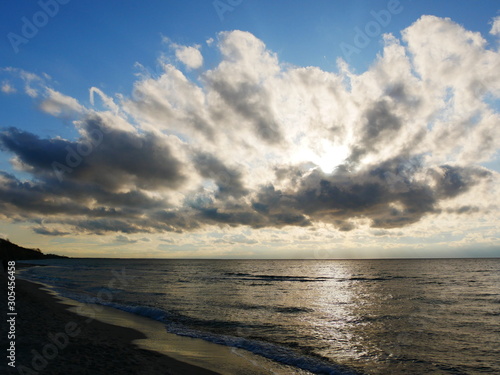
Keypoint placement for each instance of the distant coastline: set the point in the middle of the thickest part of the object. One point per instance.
(11, 251)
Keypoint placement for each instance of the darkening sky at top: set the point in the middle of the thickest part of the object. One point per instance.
(251, 128)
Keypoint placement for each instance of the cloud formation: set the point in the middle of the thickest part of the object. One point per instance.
(256, 142)
(495, 28)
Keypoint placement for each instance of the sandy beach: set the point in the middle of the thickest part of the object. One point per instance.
(49, 339)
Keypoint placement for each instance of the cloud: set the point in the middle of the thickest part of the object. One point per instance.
(104, 156)
(190, 56)
(369, 194)
(495, 26)
(32, 83)
(236, 239)
(7, 88)
(237, 84)
(124, 239)
(58, 104)
(167, 240)
(49, 232)
(229, 181)
(257, 142)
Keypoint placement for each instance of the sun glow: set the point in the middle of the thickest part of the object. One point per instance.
(325, 155)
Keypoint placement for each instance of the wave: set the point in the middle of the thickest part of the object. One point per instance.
(293, 310)
(254, 277)
(370, 319)
(96, 289)
(378, 278)
(272, 278)
(265, 349)
(146, 311)
(278, 309)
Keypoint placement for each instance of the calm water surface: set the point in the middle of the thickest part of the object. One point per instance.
(370, 316)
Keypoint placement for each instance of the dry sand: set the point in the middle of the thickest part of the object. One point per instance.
(96, 348)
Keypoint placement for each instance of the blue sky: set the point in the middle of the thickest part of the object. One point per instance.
(98, 43)
(131, 52)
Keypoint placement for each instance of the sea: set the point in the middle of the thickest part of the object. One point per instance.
(397, 316)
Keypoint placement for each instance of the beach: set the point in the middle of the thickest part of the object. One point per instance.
(49, 339)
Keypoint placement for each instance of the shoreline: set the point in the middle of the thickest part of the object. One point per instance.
(52, 339)
(109, 340)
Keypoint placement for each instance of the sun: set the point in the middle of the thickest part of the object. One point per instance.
(324, 154)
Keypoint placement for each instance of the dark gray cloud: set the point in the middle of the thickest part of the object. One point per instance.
(49, 197)
(49, 232)
(380, 125)
(109, 158)
(251, 102)
(381, 122)
(228, 180)
(33, 151)
(388, 195)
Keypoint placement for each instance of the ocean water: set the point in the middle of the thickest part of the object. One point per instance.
(437, 316)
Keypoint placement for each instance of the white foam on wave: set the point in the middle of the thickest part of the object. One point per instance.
(265, 349)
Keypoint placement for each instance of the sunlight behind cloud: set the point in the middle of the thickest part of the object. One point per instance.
(325, 155)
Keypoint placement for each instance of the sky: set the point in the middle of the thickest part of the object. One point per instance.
(251, 129)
